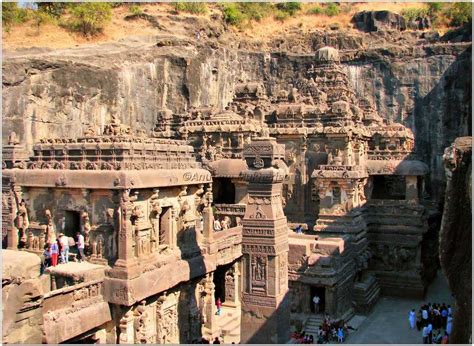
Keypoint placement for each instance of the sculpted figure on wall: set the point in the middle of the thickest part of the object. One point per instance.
(22, 221)
(87, 226)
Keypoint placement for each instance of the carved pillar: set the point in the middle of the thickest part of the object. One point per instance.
(123, 226)
(265, 305)
(210, 325)
(13, 201)
(126, 328)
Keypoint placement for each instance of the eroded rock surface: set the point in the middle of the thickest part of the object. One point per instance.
(456, 235)
(21, 297)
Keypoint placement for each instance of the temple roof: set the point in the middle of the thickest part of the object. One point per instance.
(227, 168)
(396, 167)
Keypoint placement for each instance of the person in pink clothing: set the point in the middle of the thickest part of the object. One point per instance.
(219, 306)
(54, 252)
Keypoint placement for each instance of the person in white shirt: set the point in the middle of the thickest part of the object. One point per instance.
(80, 246)
(316, 303)
(412, 319)
(64, 248)
(217, 225)
(425, 334)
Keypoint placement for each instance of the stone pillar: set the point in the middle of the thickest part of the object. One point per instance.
(13, 200)
(210, 325)
(240, 191)
(265, 301)
(126, 329)
(123, 226)
(411, 193)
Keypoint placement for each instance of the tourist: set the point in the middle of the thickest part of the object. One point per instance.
(340, 335)
(54, 251)
(436, 317)
(217, 225)
(430, 333)
(299, 229)
(425, 334)
(437, 338)
(412, 318)
(449, 324)
(46, 258)
(424, 315)
(445, 339)
(219, 306)
(444, 315)
(216, 341)
(316, 303)
(311, 339)
(64, 248)
(80, 246)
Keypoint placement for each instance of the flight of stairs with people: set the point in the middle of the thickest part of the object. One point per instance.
(312, 325)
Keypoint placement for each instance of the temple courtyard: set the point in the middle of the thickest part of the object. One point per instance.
(388, 321)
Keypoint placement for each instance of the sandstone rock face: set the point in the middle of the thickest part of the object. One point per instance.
(455, 236)
(21, 297)
(410, 77)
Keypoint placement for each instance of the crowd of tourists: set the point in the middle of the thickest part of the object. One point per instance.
(57, 250)
(330, 331)
(435, 321)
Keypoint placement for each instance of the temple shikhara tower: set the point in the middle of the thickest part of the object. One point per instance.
(190, 225)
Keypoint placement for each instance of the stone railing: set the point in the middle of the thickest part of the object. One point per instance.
(231, 213)
(82, 302)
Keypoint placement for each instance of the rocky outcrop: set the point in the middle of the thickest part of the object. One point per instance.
(455, 247)
(369, 21)
(22, 291)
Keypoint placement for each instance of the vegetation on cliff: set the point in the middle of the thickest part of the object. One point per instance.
(60, 24)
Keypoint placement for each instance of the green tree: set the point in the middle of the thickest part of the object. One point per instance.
(459, 13)
(90, 17)
(12, 14)
(53, 9)
(289, 7)
(331, 9)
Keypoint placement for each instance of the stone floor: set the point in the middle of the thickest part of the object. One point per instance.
(388, 322)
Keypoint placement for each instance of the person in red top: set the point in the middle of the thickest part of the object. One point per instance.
(54, 252)
(219, 306)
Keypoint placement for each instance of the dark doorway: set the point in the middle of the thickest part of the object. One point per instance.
(389, 187)
(165, 226)
(223, 191)
(72, 223)
(321, 293)
(219, 282)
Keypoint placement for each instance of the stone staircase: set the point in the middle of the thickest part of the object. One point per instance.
(312, 325)
(229, 325)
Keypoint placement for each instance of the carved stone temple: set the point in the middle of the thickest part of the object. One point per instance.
(204, 206)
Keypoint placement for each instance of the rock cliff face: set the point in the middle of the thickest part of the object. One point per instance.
(411, 77)
(21, 296)
(456, 235)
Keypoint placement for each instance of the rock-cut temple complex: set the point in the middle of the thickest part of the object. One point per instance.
(205, 206)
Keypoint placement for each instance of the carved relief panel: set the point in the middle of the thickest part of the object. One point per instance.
(259, 271)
